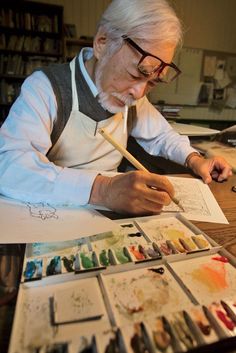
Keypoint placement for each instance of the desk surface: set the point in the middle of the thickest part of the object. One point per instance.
(223, 234)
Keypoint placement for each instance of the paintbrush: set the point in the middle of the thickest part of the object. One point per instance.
(132, 160)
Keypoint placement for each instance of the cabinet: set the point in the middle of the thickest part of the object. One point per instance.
(31, 36)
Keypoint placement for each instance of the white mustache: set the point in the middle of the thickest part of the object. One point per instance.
(127, 100)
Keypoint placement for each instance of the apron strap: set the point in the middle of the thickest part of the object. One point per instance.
(75, 102)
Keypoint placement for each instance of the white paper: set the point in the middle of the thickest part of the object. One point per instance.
(197, 200)
(193, 130)
(28, 223)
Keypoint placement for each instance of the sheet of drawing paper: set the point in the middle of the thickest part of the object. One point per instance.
(143, 294)
(197, 200)
(41, 222)
(209, 278)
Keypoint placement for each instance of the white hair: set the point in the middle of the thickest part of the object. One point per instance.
(141, 20)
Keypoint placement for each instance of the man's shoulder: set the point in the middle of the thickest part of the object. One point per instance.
(58, 69)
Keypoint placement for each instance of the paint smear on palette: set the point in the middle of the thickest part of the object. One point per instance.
(207, 278)
(142, 293)
(161, 229)
(127, 235)
(214, 278)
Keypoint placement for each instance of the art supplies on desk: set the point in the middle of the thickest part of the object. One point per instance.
(168, 302)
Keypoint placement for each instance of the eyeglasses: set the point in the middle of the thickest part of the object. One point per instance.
(150, 64)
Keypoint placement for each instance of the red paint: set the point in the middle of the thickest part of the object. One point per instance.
(225, 319)
(221, 258)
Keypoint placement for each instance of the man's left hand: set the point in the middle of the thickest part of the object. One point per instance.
(211, 168)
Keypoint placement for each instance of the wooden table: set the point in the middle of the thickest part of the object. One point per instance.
(223, 234)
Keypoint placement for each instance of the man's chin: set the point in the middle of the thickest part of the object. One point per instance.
(112, 108)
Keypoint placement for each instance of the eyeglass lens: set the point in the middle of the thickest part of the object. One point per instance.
(150, 65)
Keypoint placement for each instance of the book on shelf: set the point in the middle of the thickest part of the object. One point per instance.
(11, 45)
(20, 43)
(2, 41)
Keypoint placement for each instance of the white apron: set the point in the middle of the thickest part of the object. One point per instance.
(79, 146)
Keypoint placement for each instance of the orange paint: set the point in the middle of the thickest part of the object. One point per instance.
(214, 278)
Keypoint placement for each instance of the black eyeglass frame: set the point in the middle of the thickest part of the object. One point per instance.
(144, 53)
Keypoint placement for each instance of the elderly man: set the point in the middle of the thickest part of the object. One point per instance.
(50, 150)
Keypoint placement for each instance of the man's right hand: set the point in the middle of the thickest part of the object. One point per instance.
(136, 192)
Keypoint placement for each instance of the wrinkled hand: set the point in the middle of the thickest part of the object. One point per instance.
(211, 168)
(132, 193)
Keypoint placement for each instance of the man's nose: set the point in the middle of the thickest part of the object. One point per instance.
(138, 90)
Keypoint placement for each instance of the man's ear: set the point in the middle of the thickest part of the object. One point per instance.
(99, 44)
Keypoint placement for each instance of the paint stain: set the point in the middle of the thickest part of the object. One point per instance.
(68, 263)
(104, 258)
(206, 329)
(173, 234)
(226, 320)
(221, 258)
(159, 270)
(132, 235)
(121, 256)
(214, 278)
(86, 261)
(138, 255)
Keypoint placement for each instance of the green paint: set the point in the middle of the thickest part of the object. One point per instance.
(86, 261)
(121, 256)
(103, 258)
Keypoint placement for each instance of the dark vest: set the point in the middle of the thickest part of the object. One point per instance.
(60, 77)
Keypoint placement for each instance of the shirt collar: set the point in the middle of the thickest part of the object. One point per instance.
(86, 54)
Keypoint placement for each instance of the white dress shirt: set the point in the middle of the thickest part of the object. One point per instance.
(25, 171)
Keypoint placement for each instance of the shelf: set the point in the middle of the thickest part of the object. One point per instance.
(12, 77)
(31, 36)
(27, 32)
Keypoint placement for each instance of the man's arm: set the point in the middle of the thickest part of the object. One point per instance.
(210, 168)
(25, 172)
(135, 192)
(158, 138)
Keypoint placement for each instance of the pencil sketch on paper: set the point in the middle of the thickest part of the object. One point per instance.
(191, 196)
(42, 210)
(197, 200)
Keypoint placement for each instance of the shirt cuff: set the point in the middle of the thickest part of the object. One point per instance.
(73, 186)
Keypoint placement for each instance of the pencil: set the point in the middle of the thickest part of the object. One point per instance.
(131, 159)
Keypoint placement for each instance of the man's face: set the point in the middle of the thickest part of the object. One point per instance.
(118, 79)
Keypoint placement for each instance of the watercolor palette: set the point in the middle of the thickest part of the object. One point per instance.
(121, 292)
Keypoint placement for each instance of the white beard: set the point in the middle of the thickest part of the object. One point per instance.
(105, 98)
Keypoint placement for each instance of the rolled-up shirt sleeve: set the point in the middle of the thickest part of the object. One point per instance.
(25, 171)
(156, 136)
